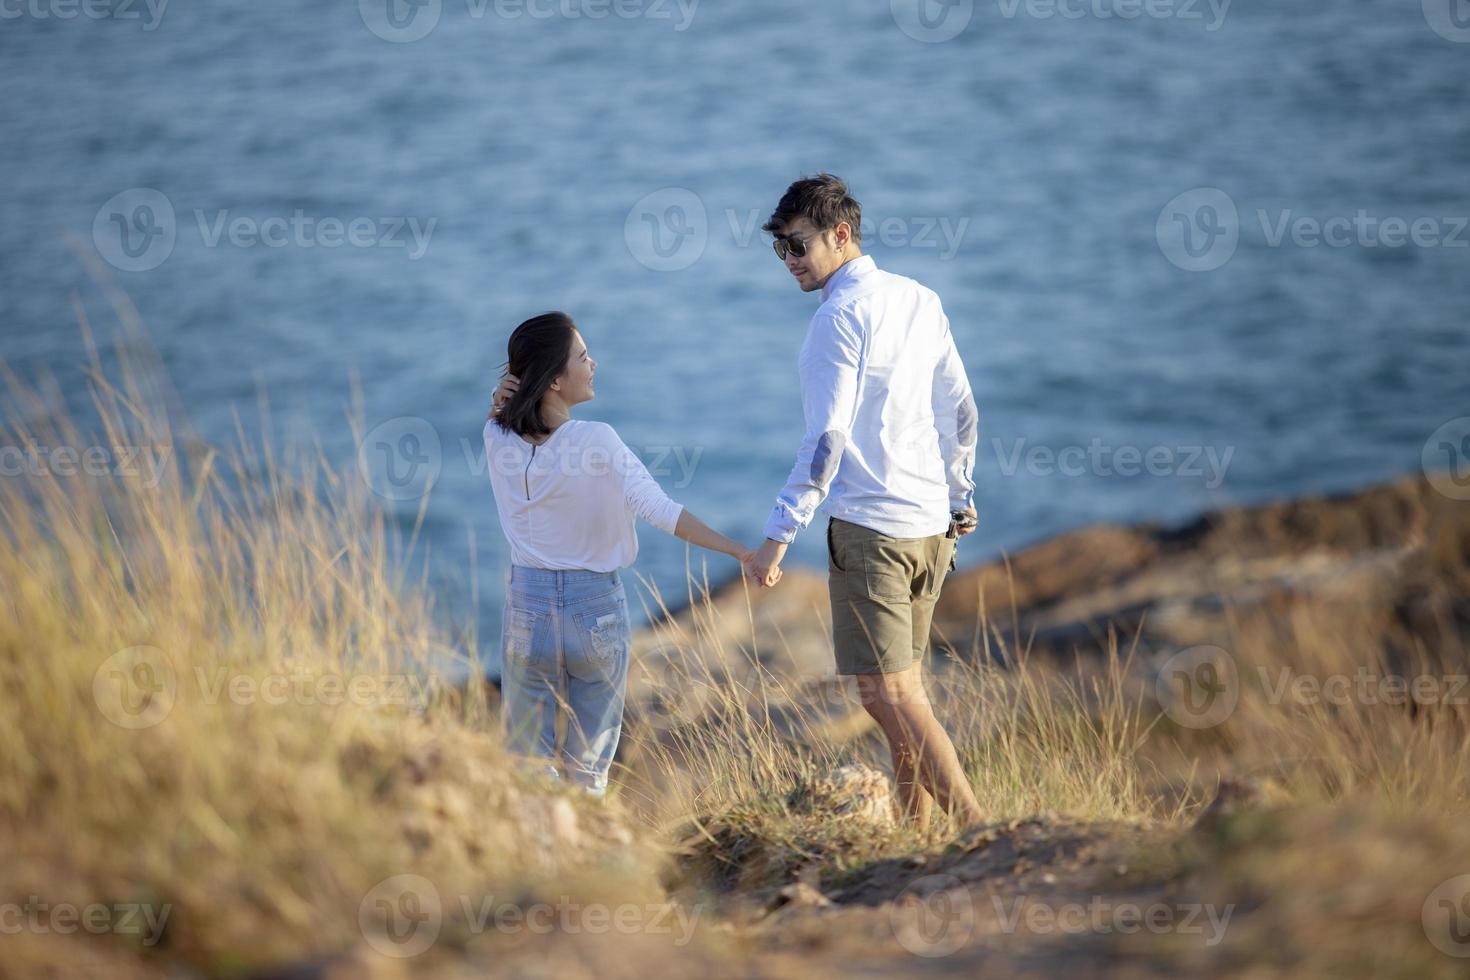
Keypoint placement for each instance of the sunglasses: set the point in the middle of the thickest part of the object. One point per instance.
(792, 244)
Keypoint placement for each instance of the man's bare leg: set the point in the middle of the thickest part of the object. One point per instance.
(924, 757)
(915, 800)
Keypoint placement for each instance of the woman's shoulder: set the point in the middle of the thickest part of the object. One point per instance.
(571, 432)
(589, 431)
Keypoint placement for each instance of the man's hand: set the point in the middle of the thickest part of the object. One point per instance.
(965, 529)
(747, 564)
(509, 385)
(747, 568)
(765, 565)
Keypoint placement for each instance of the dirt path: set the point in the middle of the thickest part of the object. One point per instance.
(1036, 896)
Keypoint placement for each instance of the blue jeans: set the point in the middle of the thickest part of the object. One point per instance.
(566, 640)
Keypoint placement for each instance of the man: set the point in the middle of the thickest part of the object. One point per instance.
(890, 446)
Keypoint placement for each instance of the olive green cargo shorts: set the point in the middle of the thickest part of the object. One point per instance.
(883, 594)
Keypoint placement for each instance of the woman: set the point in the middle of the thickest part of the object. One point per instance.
(567, 492)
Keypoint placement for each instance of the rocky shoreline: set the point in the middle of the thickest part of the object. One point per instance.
(1396, 555)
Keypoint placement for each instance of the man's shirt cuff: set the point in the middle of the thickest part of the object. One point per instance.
(780, 527)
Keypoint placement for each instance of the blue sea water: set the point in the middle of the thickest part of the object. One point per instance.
(1117, 211)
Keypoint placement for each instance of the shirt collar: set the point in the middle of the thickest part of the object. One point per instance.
(846, 272)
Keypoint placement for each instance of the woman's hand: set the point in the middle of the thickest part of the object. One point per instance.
(509, 385)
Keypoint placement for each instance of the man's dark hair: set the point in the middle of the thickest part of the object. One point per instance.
(539, 350)
(823, 200)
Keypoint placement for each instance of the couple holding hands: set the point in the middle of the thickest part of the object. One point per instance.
(889, 447)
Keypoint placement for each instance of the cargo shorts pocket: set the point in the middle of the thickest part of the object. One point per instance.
(938, 566)
(888, 569)
(834, 561)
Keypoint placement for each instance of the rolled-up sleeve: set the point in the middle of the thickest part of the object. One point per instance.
(830, 365)
(644, 497)
(958, 421)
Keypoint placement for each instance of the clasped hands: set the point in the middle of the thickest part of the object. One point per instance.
(762, 565)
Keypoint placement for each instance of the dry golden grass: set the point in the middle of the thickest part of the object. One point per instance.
(1332, 705)
(220, 702)
(135, 772)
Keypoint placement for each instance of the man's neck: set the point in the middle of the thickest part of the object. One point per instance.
(850, 258)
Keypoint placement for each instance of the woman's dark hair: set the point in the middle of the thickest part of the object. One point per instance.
(823, 199)
(539, 350)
